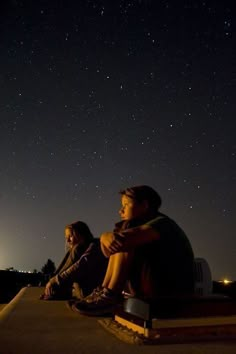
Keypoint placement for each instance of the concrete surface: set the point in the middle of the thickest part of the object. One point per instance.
(1, 306)
(31, 326)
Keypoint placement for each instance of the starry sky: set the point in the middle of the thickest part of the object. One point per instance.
(97, 96)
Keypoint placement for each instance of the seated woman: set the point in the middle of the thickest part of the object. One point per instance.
(83, 266)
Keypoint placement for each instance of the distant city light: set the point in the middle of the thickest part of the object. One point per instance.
(11, 269)
(226, 281)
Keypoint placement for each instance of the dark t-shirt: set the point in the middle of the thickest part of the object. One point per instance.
(164, 267)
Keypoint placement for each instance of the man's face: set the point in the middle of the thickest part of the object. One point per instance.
(70, 238)
(131, 209)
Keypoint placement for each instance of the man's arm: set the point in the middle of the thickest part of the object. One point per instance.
(106, 239)
(128, 239)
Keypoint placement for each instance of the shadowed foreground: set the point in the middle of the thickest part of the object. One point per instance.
(28, 325)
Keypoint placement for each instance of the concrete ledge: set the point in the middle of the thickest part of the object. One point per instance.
(2, 306)
(32, 326)
(8, 308)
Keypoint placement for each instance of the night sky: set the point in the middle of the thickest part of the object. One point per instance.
(97, 96)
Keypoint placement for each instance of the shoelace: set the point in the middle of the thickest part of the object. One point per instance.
(95, 293)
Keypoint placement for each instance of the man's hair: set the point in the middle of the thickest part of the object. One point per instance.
(142, 193)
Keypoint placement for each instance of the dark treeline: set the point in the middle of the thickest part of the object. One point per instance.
(221, 288)
(12, 281)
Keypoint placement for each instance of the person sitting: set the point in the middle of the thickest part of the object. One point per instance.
(147, 250)
(83, 265)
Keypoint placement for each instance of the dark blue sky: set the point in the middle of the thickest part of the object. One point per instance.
(99, 95)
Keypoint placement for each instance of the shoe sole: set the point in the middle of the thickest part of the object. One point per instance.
(97, 313)
(72, 307)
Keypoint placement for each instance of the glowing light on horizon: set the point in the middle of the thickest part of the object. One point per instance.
(226, 281)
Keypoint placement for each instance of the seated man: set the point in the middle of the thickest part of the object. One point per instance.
(147, 250)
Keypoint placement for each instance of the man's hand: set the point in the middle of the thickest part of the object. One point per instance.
(111, 243)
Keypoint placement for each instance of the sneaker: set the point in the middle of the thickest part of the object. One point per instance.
(73, 303)
(89, 298)
(94, 294)
(102, 305)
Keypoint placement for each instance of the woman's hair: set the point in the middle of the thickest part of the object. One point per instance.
(142, 193)
(81, 231)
